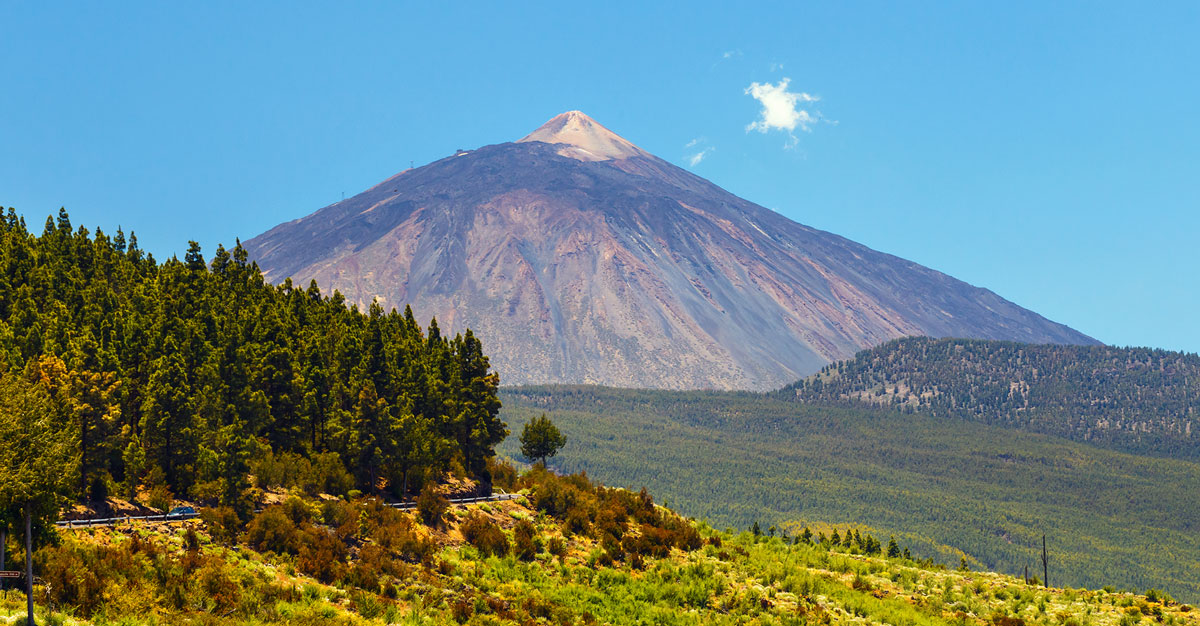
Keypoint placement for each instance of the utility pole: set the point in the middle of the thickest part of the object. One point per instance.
(1045, 564)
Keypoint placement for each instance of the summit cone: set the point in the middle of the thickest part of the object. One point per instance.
(583, 138)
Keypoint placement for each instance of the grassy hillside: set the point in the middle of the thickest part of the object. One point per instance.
(1131, 399)
(940, 486)
(568, 553)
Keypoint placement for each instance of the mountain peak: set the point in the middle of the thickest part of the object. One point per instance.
(583, 138)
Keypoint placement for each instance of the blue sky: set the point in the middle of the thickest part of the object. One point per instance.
(1047, 151)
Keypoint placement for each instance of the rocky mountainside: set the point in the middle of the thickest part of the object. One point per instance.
(577, 257)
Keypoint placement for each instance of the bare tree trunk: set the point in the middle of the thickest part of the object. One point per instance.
(1045, 564)
(29, 564)
(3, 551)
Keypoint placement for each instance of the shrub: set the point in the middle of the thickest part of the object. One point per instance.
(342, 516)
(297, 510)
(367, 604)
(77, 575)
(321, 555)
(272, 530)
(371, 567)
(525, 541)
(397, 534)
(613, 520)
(329, 475)
(557, 547)
(578, 522)
(191, 541)
(612, 546)
(431, 505)
(222, 524)
(556, 496)
(504, 475)
(484, 535)
(160, 498)
(655, 542)
(219, 587)
(462, 610)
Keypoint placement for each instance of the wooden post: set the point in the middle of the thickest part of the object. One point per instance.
(3, 550)
(1045, 564)
(29, 564)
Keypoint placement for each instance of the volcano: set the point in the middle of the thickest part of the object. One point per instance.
(578, 257)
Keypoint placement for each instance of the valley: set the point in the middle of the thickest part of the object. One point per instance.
(946, 487)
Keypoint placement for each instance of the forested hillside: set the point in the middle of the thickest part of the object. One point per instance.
(1134, 399)
(945, 487)
(176, 375)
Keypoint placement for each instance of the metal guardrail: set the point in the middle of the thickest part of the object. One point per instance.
(109, 521)
(166, 517)
(495, 497)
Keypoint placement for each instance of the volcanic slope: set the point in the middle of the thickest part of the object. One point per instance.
(581, 258)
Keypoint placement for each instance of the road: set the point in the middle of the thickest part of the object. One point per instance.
(113, 521)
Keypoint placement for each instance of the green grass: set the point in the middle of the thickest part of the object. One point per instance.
(943, 487)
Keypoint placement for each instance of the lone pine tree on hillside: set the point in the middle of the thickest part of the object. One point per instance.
(541, 439)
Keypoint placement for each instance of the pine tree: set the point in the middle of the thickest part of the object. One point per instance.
(480, 427)
(541, 439)
(371, 430)
(168, 427)
(37, 466)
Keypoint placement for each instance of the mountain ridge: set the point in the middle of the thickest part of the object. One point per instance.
(626, 271)
(1138, 400)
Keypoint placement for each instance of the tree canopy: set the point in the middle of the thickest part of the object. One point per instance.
(179, 374)
(541, 439)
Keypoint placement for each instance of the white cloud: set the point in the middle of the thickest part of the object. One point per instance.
(696, 150)
(729, 54)
(781, 109)
(696, 158)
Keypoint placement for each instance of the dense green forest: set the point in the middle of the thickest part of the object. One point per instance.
(944, 487)
(180, 376)
(1133, 399)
